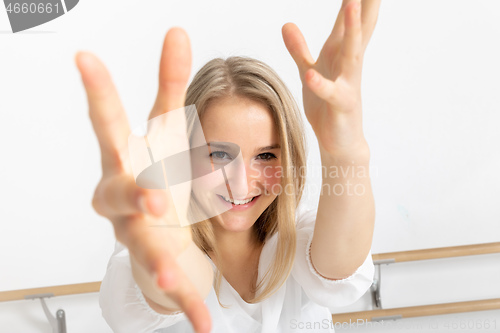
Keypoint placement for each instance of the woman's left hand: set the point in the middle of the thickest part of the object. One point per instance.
(332, 85)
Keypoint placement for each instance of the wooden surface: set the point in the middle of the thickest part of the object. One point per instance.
(442, 252)
(67, 289)
(419, 311)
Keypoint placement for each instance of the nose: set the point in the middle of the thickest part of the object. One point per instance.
(240, 177)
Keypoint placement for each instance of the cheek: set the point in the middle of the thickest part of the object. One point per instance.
(268, 175)
(205, 178)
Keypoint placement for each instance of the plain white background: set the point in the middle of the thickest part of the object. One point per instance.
(431, 112)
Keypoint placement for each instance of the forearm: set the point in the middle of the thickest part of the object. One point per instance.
(346, 214)
(196, 267)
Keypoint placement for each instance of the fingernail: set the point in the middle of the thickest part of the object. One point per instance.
(156, 204)
(165, 280)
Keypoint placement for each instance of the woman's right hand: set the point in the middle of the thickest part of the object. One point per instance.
(131, 209)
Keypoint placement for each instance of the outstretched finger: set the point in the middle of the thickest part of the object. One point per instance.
(297, 47)
(369, 16)
(105, 110)
(175, 68)
(155, 248)
(352, 48)
(190, 301)
(338, 28)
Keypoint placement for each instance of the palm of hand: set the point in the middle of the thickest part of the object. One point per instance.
(332, 84)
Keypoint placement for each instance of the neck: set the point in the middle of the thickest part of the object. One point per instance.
(236, 248)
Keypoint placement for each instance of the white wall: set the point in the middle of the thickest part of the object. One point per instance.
(430, 97)
(82, 315)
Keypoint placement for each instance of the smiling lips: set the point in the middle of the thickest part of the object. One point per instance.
(237, 202)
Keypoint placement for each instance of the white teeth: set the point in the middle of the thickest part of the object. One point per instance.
(237, 202)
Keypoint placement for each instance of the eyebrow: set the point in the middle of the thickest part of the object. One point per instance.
(271, 147)
(261, 149)
(218, 145)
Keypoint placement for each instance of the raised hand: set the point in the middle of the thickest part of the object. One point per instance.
(332, 84)
(133, 210)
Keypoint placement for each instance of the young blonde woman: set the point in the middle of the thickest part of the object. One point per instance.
(264, 265)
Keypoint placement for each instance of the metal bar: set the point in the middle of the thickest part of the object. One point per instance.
(387, 318)
(375, 289)
(383, 261)
(58, 323)
(50, 317)
(61, 321)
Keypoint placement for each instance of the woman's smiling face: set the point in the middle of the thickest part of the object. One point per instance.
(241, 122)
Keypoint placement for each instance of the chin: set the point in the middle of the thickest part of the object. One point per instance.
(232, 223)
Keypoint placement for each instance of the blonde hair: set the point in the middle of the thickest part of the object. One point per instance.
(253, 79)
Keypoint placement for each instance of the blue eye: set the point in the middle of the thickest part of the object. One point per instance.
(267, 156)
(220, 155)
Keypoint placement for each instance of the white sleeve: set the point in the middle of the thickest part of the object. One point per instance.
(325, 292)
(122, 303)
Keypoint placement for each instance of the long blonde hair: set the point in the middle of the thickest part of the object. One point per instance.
(253, 79)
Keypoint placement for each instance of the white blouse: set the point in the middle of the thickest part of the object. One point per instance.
(302, 304)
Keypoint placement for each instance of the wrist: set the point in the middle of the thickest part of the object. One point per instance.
(358, 154)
